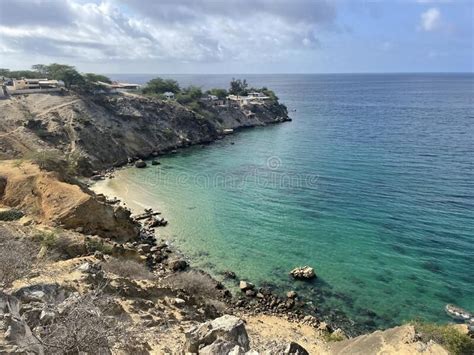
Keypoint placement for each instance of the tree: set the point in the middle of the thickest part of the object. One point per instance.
(160, 86)
(238, 87)
(91, 77)
(220, 93)
(41, 69)
(4, 72)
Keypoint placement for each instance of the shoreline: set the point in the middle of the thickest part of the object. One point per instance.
(303, 311)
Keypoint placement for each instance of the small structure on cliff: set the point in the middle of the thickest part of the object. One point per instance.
(168, 95)
(30, 86)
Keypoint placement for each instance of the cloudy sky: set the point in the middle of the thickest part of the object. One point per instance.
(239, 36)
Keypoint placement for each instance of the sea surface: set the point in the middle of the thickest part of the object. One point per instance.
(372, 184)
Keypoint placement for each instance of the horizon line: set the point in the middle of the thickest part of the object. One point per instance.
(309, 73)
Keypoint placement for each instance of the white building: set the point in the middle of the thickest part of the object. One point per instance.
(168, 95)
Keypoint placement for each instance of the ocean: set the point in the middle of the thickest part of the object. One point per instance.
(372, 184)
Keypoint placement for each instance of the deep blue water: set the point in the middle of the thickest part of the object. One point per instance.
(372, 184)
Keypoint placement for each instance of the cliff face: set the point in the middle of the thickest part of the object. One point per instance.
(47, 200)
(103, 131)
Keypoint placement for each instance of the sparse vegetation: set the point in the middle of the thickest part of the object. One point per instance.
(447, 336)
(93, 245)
(128, 269)
(47, 239)
(332, 337)
(10, 214)
(86, 325)
(17, 258)
(194, 282)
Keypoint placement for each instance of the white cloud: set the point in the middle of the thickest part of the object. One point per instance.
(430, 19)
(185, 31)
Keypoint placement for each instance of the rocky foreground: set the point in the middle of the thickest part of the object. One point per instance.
(80, 274)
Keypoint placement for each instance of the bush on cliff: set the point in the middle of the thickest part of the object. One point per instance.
(446, 335)
(160, 86)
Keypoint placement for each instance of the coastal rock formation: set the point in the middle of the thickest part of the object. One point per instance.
(222, 333)
(102, 131)
(398, 340)
(304, 273)
(48, 200)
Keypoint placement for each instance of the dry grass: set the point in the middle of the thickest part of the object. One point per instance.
(86, 326)
(128, 269)
(194, 283)
(17, 258)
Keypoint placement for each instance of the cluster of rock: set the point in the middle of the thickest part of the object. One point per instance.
(227, 335)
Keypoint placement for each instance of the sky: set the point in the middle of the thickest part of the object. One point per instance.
(239, 36)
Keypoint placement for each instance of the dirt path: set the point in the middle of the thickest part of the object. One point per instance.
(44, 112)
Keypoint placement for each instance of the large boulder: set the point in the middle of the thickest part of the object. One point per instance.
(140, 164)
(225, 332)
(15, 334)
(245, 286)
(303, 273)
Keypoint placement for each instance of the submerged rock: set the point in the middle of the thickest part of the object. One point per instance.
(304, 273)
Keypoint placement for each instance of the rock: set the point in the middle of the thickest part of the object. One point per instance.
(291, 294)
(295, 349)
(178, 302)
(304, 273)
(178, 265)
(140, 164)
(339, 333)
(230, 274)
(16, 334)
(223, 330)
(145, 248)
(99, 255)
(46, 316)
(323, 326)
(155, 162)
(250, 293)
(96, 177)
(221, 347)
(45, 293)
(244, 286)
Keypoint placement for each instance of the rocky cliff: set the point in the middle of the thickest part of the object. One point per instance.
(101, 131)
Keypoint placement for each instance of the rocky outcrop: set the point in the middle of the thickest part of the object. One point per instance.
(304, 273)
(223, 333)
(48, 200)
(15, 334)
(102, 131)
(399, 340)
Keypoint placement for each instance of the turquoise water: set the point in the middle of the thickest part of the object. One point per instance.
(372, 184)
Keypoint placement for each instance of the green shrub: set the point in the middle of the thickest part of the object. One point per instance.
(10, 214)
(446, 335)
(93, 245)
(46, 239)
(160, 86)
